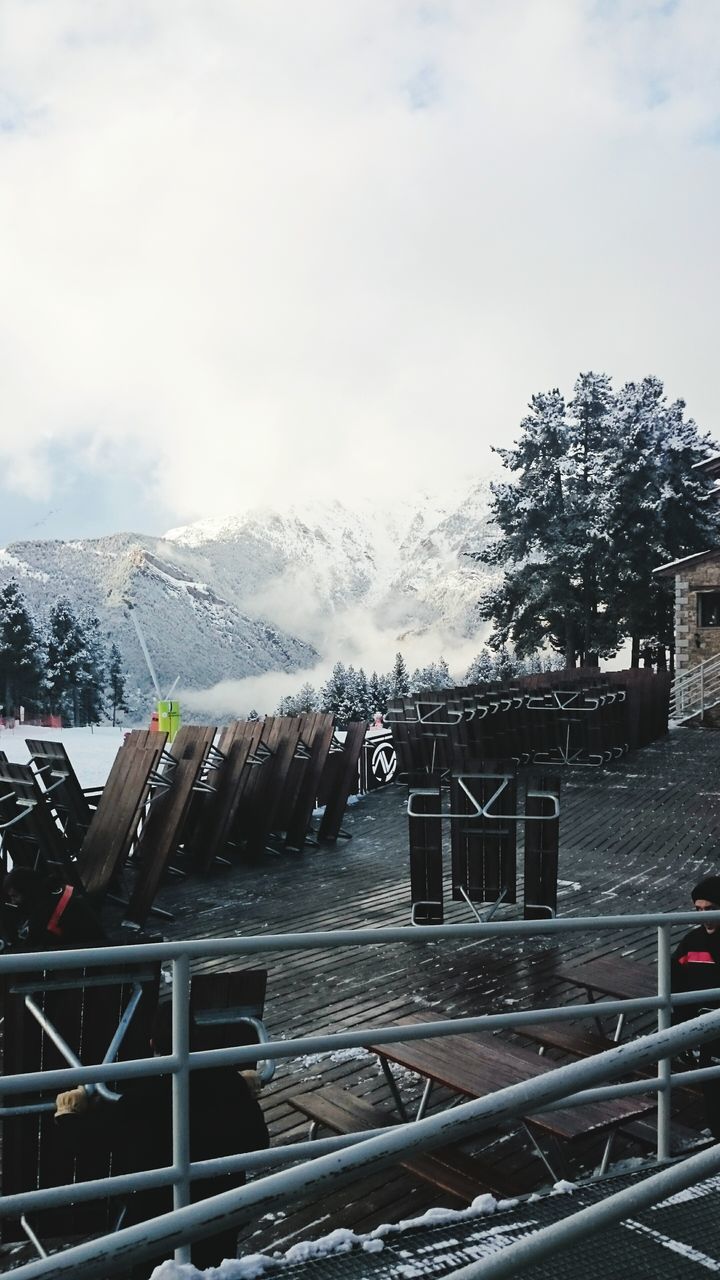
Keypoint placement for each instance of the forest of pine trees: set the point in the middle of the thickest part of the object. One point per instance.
(351, 695)
(60, 665)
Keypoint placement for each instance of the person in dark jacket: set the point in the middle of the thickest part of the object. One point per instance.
(225, 1119)
(45, 913)
(696, 967)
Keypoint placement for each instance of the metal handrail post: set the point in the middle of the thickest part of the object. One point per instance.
(664, 1065)
(181, 1090)
(702, 688)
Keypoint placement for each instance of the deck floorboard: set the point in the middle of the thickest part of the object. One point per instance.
(634, 836)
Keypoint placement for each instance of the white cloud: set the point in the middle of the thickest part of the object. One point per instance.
(321, 246)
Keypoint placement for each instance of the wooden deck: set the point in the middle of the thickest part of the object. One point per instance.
(635, 836)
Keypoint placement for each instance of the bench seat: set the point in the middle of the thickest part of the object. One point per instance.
(448, 1168)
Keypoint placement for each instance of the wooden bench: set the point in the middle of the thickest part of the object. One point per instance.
(448, 1168)
(567, 1037)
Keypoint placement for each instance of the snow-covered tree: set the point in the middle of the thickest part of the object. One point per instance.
(92, 676)
(377, 693)
(358, 695)
(334, 694)
(659, 508)
(398, 680)
(67, 661)
(580, 526)
(117, 681)
(307, 699)
(21, 652)
(286, 706)
(481, 668)
(434, 676)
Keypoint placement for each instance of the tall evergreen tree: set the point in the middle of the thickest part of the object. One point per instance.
(307, 699)
(117, 681)
(362, 709)
(67, 658)
(398, 680)
(377, 693)
(333, 695)
(93, 673)
(435, 676)
(481, 668)
(21, 653)
(659, 509)
(580, 527)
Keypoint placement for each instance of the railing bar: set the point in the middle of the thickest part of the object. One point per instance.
(206, 948)
(139, 1242)
(132, 1068)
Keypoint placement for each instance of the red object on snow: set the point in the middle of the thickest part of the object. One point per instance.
(155, 721)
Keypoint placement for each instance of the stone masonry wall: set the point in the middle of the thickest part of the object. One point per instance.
(694, 644)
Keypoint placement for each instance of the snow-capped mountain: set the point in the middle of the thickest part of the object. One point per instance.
(407, 564)
(269, 590)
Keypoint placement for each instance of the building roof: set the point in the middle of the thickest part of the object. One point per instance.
(671, 568)
(711, 464)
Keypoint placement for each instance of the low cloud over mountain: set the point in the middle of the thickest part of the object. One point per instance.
(224, 600)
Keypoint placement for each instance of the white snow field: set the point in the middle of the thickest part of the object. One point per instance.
(91, 750)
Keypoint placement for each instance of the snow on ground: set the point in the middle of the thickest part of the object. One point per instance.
(341, 1240)
(91, 751)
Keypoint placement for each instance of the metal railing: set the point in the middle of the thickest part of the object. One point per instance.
(345, 1157)
(695, 691)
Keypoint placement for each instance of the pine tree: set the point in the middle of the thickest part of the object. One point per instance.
(660, 509)
(398, 680)
(333, 695)
(433, 677)
(307, 699)
(67, 657)
(604, 493)
(481, 668)
(21, 653)
(505, 667)
(92, 676)
(287, 706)
(116, 682)
(362, 709)
(377, 693)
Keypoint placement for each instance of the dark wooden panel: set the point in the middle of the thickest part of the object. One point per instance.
(542, 837)
(483, 846)
(162, 830)
(345, 783)
(115, 823)
(320, 736)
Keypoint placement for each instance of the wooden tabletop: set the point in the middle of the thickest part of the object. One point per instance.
(614, 976)
(477, 1064)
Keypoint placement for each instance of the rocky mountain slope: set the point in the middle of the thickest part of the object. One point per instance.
(228, 598)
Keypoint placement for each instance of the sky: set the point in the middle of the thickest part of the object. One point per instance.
(253, 251)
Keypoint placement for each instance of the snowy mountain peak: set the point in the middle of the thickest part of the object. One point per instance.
(267, 589)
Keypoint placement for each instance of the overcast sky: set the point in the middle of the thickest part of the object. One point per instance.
(251, 249)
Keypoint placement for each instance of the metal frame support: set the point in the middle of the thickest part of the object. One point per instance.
(181, 1090)
(664, 1066)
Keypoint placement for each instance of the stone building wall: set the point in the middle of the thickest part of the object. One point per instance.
(693, 643)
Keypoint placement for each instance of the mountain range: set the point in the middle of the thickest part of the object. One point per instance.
(269, 589)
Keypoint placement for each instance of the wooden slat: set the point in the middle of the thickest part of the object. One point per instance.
(115, 822)
(162, 830)
(345, 782)
(447, 1168)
